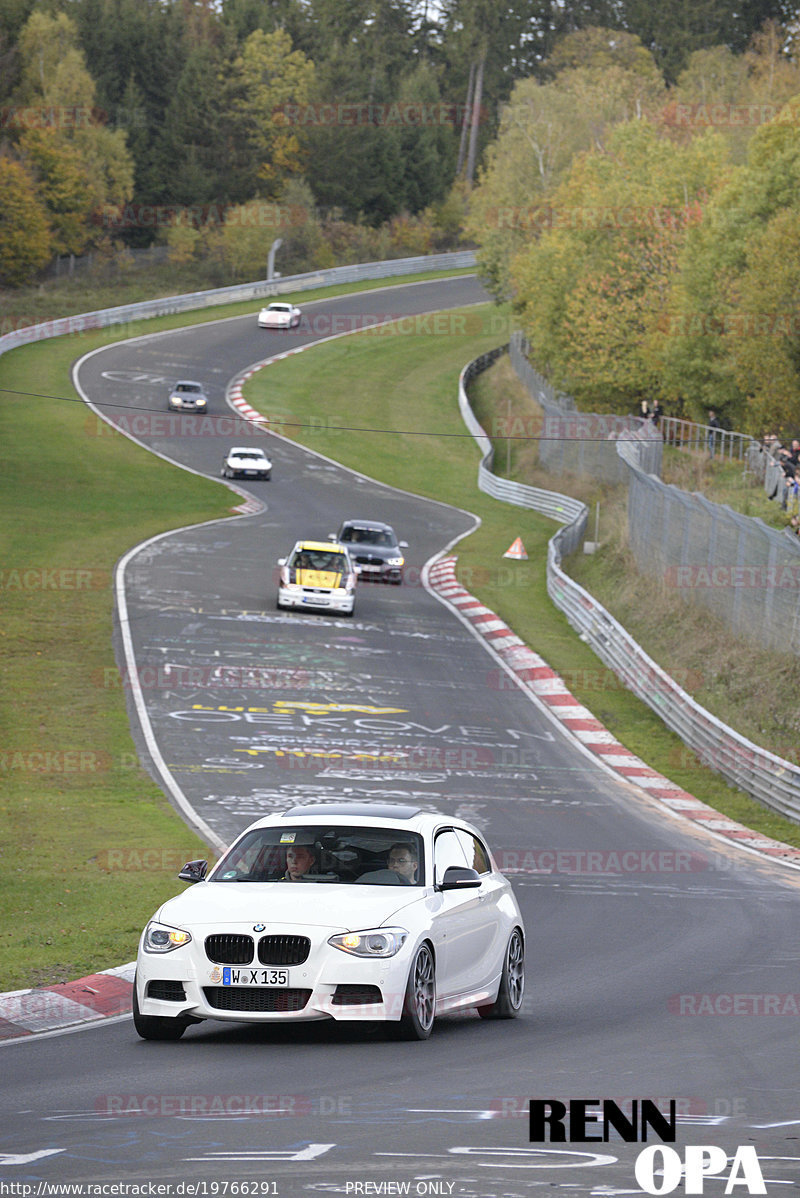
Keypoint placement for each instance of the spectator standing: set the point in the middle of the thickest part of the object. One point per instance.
(712, 426)
(655, 412)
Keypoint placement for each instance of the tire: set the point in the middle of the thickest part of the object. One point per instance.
(156, 1027)
(508, 1003)
(419, 1002)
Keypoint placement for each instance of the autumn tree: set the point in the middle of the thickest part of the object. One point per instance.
(270, 87)
(720, 355)
(79, 163)
(593, 291)
(544, 128)
(25, 244)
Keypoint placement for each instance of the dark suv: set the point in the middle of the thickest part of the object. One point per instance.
(374, 549)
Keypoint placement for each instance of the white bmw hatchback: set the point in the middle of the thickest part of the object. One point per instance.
(344, 911)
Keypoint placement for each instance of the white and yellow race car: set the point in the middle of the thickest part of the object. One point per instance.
(318, 574)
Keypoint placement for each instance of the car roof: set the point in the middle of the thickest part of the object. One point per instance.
(188, 383)
(245, 449)
(393, 811)
(393, 816)
(320, 545)
(377, 525)
(279, 304)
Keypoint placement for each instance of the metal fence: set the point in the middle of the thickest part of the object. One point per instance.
(228, 295)
(574, 442)
(719, 442)
(746, 573)
(562, 508)
(772, 780)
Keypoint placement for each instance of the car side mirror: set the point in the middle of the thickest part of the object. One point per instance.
(403, 544)
(332, 536)
(281, 561)
(459, 877)
(193, 871)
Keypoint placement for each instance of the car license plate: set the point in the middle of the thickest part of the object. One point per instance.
(316, 600)
(374, 569)
(231, 976)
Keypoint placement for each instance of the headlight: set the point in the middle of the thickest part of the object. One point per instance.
(160, 938)
(201, 403)
(395, 561)
(375, 942)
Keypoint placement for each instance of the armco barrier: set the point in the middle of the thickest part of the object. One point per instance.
(761, 774)
(228, 295)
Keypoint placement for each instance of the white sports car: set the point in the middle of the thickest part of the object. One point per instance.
(345, 911)
(279, 316)
(246, 462)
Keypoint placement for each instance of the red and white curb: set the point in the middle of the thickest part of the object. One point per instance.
(543, 682)
(50, 1008)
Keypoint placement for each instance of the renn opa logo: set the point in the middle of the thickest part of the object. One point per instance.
(658, 1169)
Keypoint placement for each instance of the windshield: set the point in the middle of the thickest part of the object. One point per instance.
(325, 853)
(368, 536)
(320, 559)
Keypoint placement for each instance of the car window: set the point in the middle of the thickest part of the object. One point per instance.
(447, 851)
(342, 855)
(475, 852)
(320, 559)
(187, 387)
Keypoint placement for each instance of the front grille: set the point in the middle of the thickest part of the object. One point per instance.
(283, 950)
(255, 998)
(364, 559)
(166, 991)
(228, 948)
(354, 995)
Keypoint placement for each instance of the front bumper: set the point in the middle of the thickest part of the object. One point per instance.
(379, 573)
(337, 600)
(330, 985)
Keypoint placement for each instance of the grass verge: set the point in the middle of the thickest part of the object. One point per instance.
(90, 844)
(408, 382)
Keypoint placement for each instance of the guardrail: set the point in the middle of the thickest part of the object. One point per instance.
(768, 778)
(261, 289)
(685, 434)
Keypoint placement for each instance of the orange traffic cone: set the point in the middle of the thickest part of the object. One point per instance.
(517, 551)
